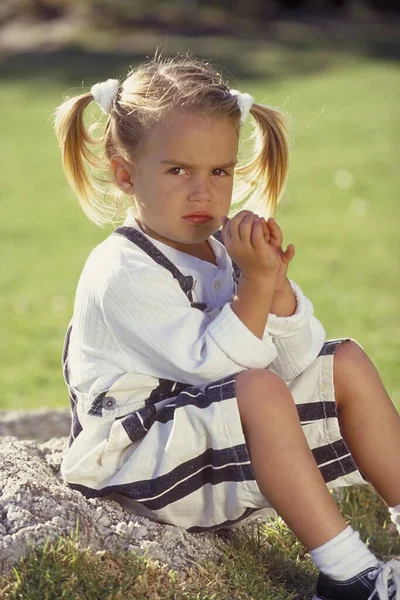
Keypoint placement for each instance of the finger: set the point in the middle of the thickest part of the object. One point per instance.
(238, 218)
(245, 227)
(257, 234)
(276, 233)
(266, 231)
(289, 253)
(269, 235)
(229, 229)
(243, 213)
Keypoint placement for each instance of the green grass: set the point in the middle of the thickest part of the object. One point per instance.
(266, 563)
(340, 209)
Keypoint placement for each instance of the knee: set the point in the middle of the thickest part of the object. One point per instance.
(259, 391)
(259, 381)
(347, 356)
(350, 363)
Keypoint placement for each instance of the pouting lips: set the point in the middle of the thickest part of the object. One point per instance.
(198, 218)
(199, 214)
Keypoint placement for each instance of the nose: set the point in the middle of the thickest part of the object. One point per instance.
(200, 190)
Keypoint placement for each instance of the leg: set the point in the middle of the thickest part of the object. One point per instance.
(285, 469)
(369, 422)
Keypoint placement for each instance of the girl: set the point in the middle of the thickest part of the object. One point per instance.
(202, 388)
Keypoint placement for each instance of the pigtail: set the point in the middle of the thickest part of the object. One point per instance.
(75, 141)
(265, 176)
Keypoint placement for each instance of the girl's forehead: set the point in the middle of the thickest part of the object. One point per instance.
(195, 134)
(189, 120)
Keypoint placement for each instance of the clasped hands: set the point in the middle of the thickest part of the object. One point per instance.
(273, 235)
(256, 228)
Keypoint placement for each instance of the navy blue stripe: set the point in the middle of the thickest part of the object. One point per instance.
(137, 426)
(97, 405)
(316, 411)
(66, 346)
(330, 452)
(208, 475)
(200, 305)
(337, 469)
(167, 388)
(212, 467)
(200, 399)
(223, 389)
(330, 346)
(76, 426)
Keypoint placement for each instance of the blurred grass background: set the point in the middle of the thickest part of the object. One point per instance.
(338, 80)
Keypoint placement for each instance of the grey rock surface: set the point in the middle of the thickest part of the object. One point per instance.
(41, 424)
(35, 505)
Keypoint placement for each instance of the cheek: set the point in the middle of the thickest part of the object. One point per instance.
(149, 189)
(171, 186)
(224, 185)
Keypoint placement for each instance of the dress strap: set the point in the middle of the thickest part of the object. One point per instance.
(235, 269)
(186, 282)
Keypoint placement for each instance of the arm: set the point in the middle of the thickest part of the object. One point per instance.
(152, 321)
(284, 301)
(297, 334)
(298, 338)
(252, 303)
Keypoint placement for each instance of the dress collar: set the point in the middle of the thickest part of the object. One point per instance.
(217, 247)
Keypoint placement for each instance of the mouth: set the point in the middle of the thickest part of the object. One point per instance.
(198, 218)
(198, 214)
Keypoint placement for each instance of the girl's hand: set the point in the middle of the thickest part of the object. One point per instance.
(273, 235)
(247, 246)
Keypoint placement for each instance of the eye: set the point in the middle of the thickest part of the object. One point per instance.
(220, 172)
(174, 170)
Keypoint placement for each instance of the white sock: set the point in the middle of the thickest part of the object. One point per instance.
(344, 556)
(395, 515)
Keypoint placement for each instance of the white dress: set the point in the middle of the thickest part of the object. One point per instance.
(150, 360)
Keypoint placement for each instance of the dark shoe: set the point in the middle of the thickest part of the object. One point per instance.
(377, 583)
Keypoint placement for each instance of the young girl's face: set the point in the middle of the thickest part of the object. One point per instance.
(188, 166)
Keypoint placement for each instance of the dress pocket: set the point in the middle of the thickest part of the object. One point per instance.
(128, 394)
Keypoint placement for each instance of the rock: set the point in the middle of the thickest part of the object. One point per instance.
(41, 424)
(36, 504)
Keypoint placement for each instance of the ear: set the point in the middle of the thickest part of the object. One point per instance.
(122, 174)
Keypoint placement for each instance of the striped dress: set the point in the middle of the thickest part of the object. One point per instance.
(155, 420)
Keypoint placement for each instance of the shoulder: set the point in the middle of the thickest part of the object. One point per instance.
(117, 254)
(118, 262)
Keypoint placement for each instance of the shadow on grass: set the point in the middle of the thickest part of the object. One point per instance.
(283, 48)
(266, 558)
(73, 64)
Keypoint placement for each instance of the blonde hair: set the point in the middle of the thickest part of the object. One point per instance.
(147, 93)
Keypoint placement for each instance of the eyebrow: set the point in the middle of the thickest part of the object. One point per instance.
(171, 161)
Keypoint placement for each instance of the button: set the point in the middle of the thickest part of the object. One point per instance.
(109, 403)
(217, 284)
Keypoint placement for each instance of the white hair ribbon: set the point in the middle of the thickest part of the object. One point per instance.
(245, 102)
(104, 94)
